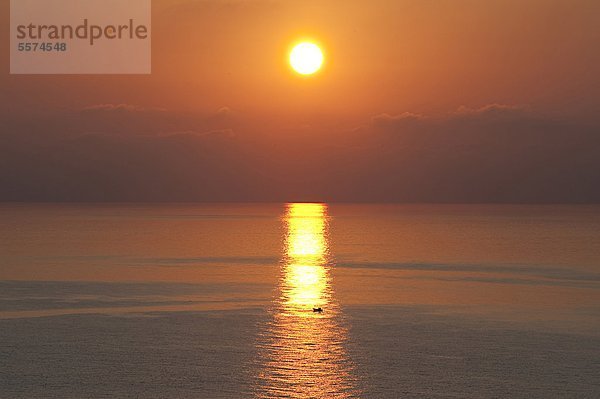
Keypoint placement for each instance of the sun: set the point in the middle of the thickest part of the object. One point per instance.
(306, 58)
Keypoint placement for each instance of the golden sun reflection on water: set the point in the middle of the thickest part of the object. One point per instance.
(306, 279)
(304, 353)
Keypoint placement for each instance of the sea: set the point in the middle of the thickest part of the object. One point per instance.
(299, 300)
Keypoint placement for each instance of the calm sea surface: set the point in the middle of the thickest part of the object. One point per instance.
(216, 301)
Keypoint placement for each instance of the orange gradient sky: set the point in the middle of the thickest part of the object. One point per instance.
(383, 56)
(220, 68)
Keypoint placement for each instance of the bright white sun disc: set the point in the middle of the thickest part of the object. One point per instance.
(306, 58)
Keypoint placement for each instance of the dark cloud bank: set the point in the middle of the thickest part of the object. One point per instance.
(126, 153)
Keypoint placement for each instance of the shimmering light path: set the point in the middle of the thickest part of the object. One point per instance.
(303, 351)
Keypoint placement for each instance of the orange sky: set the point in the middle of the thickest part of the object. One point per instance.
(384, 56)
(220, 66)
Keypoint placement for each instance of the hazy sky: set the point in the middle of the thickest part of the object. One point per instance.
(422, 100)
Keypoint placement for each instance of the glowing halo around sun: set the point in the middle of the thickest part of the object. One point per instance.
(306, 58)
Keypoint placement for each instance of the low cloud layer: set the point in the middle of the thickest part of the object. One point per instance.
(119, 152)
